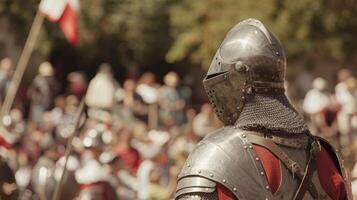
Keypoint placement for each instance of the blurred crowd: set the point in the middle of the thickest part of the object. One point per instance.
(133, 138)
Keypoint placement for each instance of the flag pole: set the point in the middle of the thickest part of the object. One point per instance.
(22, 64)
(76, 123)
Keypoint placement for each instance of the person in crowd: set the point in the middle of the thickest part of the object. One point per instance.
(102, 89)
(6, 71)
(92, 176)
(316, 99)
(204, 121)
(170, 102)
(327, 124)
(134, 102)
(42, 92)
(346, 96)
(77, 84)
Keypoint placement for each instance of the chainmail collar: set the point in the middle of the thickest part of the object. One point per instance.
(271, 115)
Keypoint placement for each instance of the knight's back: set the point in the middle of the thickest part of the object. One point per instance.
(264, 150)
(234, 159)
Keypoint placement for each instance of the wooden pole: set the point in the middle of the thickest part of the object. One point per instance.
(22, 64)
(76, 122)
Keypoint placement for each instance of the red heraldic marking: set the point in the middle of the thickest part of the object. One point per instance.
(330, 178)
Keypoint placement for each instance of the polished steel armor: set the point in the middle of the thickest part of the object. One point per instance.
(245, 85)
(227, 157)
(250, 60)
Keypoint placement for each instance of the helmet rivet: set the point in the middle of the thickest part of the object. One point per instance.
(199, 171)
(211, 175)
(224, 180)
(234, 189)
(239, 66)
(249, 90)
(277, 53)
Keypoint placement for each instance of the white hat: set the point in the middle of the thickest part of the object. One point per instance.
(46, 69)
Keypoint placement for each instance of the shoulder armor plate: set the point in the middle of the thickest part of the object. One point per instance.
(337, 159)
(226, 157)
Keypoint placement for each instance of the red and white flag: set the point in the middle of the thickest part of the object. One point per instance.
(65, 13)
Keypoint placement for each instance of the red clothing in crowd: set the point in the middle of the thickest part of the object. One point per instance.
(131, 158)
(330, 179)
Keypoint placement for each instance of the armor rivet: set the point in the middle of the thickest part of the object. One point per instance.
(199, 171)
(267, 187)
(262, 173)
(211, 175)
(277, 53)
(266, 199)
(256, 158)
(244, 136)
(188, 165)
(255, 32)
(234, 189)
(245, 147)
(250, 147)
(278, 60)
(206, 189)
(235, 126)
(224, 180)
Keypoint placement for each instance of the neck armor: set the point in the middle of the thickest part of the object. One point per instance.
(249, 61)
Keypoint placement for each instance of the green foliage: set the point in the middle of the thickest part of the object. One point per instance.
(137, 30)
(309, 30)
(137, 33)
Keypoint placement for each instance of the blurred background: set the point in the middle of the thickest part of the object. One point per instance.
(139, 65)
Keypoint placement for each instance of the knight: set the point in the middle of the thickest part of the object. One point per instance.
(264, 150)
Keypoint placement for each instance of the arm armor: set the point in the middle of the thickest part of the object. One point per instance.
(196, 188)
